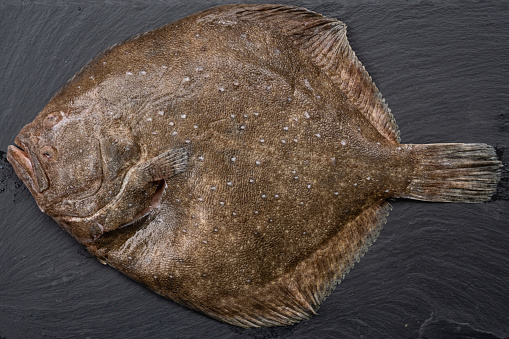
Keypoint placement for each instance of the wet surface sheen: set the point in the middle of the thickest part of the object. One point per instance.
(434, 267)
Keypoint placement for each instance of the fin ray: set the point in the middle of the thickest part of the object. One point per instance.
(324, 39)
(297, 295)
(165, 165)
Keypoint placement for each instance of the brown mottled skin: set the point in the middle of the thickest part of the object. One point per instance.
(254, 176)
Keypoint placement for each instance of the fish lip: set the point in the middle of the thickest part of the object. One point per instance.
(22, 164)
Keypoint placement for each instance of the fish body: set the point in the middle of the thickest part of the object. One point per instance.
(237, 161)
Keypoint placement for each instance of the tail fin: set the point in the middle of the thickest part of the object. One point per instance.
(454, 173)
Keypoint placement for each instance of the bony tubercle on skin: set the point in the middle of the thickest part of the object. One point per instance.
(243, 173)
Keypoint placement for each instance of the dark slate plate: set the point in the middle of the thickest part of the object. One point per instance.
(436, 271)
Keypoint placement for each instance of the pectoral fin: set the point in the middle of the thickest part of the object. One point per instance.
(165, 165)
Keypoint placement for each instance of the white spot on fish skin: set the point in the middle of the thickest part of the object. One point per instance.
(143, 72)
(283, 141)
(213, 188)
(276, 195)
(184, 231)
(200, 158)
(186, 79)
(104, 62)
(229, 183)
(154, 133)
(306, 83)
(343, 142)
(199, 69)
(257, 162)
(200, 199)
(161, 113)
(128, 73)
(164, 67)
(269, 88)
(399, 148)
(188, 141)
(264, 196)
(386, 191)
(368, 178)
(355, 184)
(235, 83)
(175, 133)
(242, 127)
(336, 193)
(245, 115)
(232, 116)
(296, 177)
(295, 140)
(182, 116)
(92, 77)
(221, 89)
(234, 213)
(233, 159)
(318, 135)
(285, 128)
(149, 119)
(309, 186)
(256, 113)
(306, 114)
(171, 123)
(130, 258)
(215, 229)
(195, 127)
(251, 180)
(262, 140)
(197, 35)
(256, 212)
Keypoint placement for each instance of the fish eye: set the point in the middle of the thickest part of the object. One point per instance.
(49, 153)
(52, 119)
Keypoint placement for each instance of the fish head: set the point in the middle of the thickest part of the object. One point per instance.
(73, 164)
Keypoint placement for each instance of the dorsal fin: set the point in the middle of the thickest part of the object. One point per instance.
(325, 41)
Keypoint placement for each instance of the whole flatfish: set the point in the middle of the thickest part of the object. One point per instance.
(237, 161)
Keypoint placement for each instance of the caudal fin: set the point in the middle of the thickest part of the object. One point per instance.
(454, 173)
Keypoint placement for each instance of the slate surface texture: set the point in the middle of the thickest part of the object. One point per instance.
(436, 271)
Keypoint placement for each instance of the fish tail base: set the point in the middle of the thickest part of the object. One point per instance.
(454, 173)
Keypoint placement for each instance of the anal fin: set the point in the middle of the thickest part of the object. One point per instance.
(297, 295)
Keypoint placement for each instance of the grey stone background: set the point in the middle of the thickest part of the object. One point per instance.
(436, 271)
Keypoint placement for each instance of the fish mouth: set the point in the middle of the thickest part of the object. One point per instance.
(22, 165)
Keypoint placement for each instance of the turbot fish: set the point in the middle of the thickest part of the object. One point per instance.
(237, 161)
